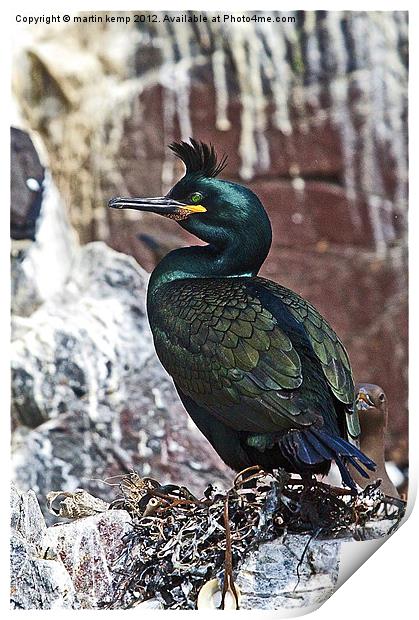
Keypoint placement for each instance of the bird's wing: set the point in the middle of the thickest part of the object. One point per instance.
(326, 345)
(227, 352)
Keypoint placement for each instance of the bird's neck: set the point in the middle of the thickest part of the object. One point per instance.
(373, 437)
(209, 261)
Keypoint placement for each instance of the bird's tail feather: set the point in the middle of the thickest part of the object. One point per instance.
(312, 446)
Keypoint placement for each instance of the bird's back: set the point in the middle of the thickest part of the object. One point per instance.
(254, 354)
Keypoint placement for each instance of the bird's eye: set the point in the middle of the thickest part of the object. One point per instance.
(382, 397)
(196, 197)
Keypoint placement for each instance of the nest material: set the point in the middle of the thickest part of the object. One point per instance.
(178, 542)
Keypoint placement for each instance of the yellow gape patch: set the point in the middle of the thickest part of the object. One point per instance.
(195, 208)
(183, 213)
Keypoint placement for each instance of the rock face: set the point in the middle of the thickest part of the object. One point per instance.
(70, 565)
(43, 243)
(36, 582)
(274, 577)
(90, 399)
(88, 549)
(312, 112)
(64, 567)
(77, 565)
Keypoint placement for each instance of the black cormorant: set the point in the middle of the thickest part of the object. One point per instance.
(259, 370)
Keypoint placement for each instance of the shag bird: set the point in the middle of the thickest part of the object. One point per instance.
(259, 370)
(371, 404)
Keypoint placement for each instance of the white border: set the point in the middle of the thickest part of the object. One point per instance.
(383, 588)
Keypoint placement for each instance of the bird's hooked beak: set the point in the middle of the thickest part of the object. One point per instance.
(363, 401)
(163, 205)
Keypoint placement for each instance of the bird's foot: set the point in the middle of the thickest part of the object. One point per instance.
(229, 587)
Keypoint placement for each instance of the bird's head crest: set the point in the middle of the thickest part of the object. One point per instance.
(199, 158)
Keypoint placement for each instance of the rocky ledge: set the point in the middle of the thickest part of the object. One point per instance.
(160, 547)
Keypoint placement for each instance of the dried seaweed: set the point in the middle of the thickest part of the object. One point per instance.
(178, 541)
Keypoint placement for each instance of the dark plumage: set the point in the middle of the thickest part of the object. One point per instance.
(258, 369)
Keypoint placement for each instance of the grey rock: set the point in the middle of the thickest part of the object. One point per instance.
(37, 583)
(26, 517)
(39, 580)
(299, 571)
(90, 400)
(76, 565)
(74, 348)
(374, 530)
(88, 548)
(41, 266)
(68, 566)
(289, 572)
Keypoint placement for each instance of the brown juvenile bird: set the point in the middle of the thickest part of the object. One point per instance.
(372, 408)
